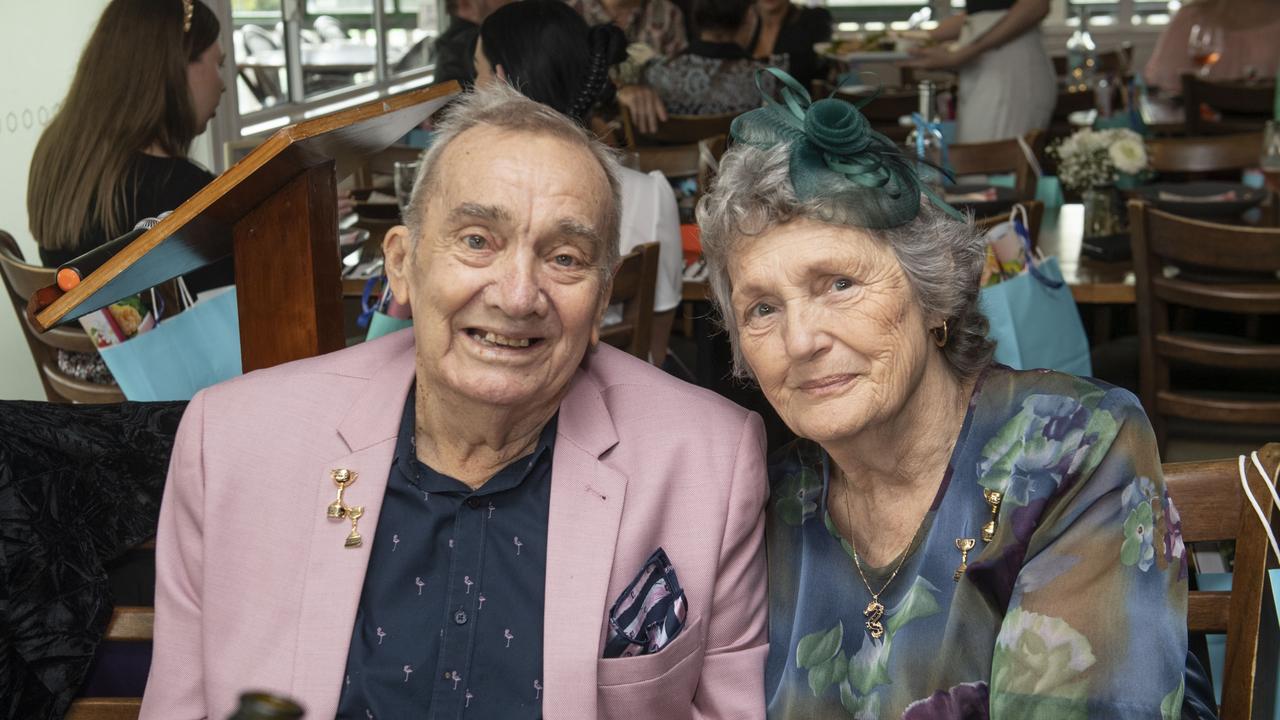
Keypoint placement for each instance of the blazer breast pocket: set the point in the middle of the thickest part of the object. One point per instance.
(614, 672)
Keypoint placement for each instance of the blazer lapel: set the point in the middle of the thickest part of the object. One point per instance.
(335, 573)
(587, 498)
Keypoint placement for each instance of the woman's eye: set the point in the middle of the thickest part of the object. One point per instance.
(761, 310)
(475, 242)
(565, 260)
(841, 284)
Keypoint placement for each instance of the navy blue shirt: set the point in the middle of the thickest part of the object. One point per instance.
(450, 616)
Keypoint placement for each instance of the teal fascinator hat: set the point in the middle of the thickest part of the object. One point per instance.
(835, 154)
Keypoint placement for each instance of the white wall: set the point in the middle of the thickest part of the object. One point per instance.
(37, 61)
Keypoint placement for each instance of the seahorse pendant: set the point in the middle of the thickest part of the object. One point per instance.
(873, 613)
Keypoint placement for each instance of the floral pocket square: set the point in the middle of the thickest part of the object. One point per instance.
(650, 612)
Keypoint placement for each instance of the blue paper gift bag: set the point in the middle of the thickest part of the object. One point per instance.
(1034, 322)
(181, 355)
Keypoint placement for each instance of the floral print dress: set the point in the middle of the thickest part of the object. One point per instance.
(1076, 607)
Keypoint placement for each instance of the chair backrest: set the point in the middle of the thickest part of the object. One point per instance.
(131, 625)
(21, 280)
(1000, 156)
(1236, 265)
(634, 286)
(677, 129)
(1213, 508)
(1244, 105)
(329, 28)
(1205, 154)
(259, 40)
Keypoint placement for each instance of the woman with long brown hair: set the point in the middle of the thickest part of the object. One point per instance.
(116, 152)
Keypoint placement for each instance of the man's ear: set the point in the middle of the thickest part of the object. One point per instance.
(397, 254)
(605, 295)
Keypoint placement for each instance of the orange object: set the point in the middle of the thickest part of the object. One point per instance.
(691, 242)
(68, 278)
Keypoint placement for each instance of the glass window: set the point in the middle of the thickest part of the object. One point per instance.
(339, 45)
(411, 26)
(258, 36)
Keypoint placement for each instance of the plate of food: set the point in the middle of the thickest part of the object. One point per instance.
(1202, 199)
(868, 47)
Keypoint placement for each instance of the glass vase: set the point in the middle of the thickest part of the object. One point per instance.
(1101, 212)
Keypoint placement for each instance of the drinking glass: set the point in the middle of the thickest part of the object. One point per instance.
(405, 175)
(1204, 45)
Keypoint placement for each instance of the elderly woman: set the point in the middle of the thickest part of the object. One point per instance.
(949, 538)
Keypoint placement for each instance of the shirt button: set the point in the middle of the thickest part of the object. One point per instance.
(460, 617)
(473, 502)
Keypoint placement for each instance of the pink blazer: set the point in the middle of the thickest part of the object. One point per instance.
(256, 591)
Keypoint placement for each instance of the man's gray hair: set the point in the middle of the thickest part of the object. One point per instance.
(941, 257)
(501, 106)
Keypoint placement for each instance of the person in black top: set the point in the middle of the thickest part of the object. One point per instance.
(715, 74)
(147, 84)
(1007, 86)
(786, 29)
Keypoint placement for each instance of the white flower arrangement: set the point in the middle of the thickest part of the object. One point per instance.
(1093, 158)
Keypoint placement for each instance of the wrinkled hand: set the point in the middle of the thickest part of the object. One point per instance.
(645, 107)
(941, 58)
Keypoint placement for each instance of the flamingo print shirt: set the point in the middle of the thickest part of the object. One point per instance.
(449, 623)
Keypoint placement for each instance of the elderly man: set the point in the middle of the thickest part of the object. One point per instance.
(487, 515)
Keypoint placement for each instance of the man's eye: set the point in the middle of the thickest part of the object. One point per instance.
(842, 284)
(476, 242)
(565, 260)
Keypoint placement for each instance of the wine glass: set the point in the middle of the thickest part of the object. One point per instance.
(1204, 45)
(405, 175)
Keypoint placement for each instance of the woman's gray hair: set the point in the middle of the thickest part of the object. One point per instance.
(498, 105)
(941, 257)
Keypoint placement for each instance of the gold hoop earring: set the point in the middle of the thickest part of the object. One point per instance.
(940, 338)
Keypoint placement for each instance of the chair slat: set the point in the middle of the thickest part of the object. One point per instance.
(131, 624)
(1208, 611)
(1208, 497)
(105, 709)
(1260, 298)
(1220, 354)
(1192, 407)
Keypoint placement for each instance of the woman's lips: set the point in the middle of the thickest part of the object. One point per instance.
(827, 383)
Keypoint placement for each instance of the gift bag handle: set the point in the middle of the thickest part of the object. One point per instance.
(1020, 225)
(1270, 482)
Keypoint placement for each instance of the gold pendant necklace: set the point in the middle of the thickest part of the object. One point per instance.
(875, 609)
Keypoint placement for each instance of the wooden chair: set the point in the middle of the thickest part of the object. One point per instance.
(22, 279)
(1244, 106)
(634, 286)
(128, 624)
(1202, 155)
(1035, 218)
(1160, 239)
(677, 130)
(1000, 156)
(1213, 508)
